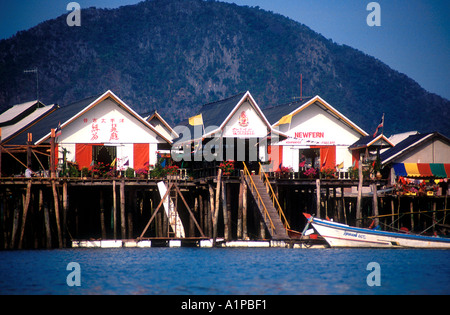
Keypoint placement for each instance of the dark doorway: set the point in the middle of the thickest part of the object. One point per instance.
(104, 154)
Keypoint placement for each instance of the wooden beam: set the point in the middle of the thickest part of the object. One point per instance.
(157, 209)
(190, 212)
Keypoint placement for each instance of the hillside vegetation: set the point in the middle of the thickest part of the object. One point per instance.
(175, 55)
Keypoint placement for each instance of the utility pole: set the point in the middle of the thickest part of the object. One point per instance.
(35, 70)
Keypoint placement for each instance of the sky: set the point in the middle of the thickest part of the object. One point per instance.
(413, 38)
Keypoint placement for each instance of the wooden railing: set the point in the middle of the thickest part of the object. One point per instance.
(259, 199)
(273, 196)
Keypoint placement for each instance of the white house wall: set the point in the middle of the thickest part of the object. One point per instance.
(254, 128)
(111, 125)
(314, 126)
(107, 123)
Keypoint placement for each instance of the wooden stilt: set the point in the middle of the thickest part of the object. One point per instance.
(15, 225)
(114, 209)
(211, 209)
(58, 221)
(244, 211)
(48, 234)
(239, 218)
(225, 212)
(189, 209)
(25, 211)
(122, 209)
(216, 207)
(65, 210)
(156, 211)
(375, 203)
(102, 215)
(191, 221)
(359, 199)
(318, 198)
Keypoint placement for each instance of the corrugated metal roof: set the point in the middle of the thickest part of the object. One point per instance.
(18, 112)
(407, 145)
(11, 130)
(51, 121)
(275, 113)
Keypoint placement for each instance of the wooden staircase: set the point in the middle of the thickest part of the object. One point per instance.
(270, 215)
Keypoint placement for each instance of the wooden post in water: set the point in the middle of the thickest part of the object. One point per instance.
(122, 209)
(239, 219)
(48, 234)
(359, 199)
(318, 198)
(25, 211)
(225, 212)
(191, 221)
(65, 210)
(211, 208)
(102, 214)
(244, 211)
(58, 221)
(375, 203)
(216, 207)
(114, 209)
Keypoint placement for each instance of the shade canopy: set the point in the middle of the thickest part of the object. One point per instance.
(438, 170)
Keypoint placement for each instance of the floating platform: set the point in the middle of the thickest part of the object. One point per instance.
(202, 243)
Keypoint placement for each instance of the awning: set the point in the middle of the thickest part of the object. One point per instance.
(438, 170)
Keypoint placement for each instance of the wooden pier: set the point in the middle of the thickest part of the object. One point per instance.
(56, 212)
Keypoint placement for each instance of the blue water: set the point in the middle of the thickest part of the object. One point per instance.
(194, 271)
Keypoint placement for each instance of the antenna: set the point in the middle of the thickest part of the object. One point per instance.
(301, 89)
(35, 70)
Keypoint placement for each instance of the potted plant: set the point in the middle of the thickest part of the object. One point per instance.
(227, 168)
(142, 172)
(172, 171)
(328, 173)
(129, 172)
(310, 172)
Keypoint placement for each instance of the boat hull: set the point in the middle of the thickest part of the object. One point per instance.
(341, 235)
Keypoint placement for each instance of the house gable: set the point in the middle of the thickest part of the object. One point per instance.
(101, 120)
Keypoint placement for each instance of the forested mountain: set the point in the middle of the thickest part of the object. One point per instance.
(175, 55)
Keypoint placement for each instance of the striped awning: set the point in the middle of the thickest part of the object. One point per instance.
(438, 170)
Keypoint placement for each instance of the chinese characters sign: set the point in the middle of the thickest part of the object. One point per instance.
(109, 125)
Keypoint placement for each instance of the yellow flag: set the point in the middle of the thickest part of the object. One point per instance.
(196, 120)
(113, 163)
(340, 166)
(285, 120)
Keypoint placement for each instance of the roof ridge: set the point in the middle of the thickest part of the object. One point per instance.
(224, 99)
(308, 98)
